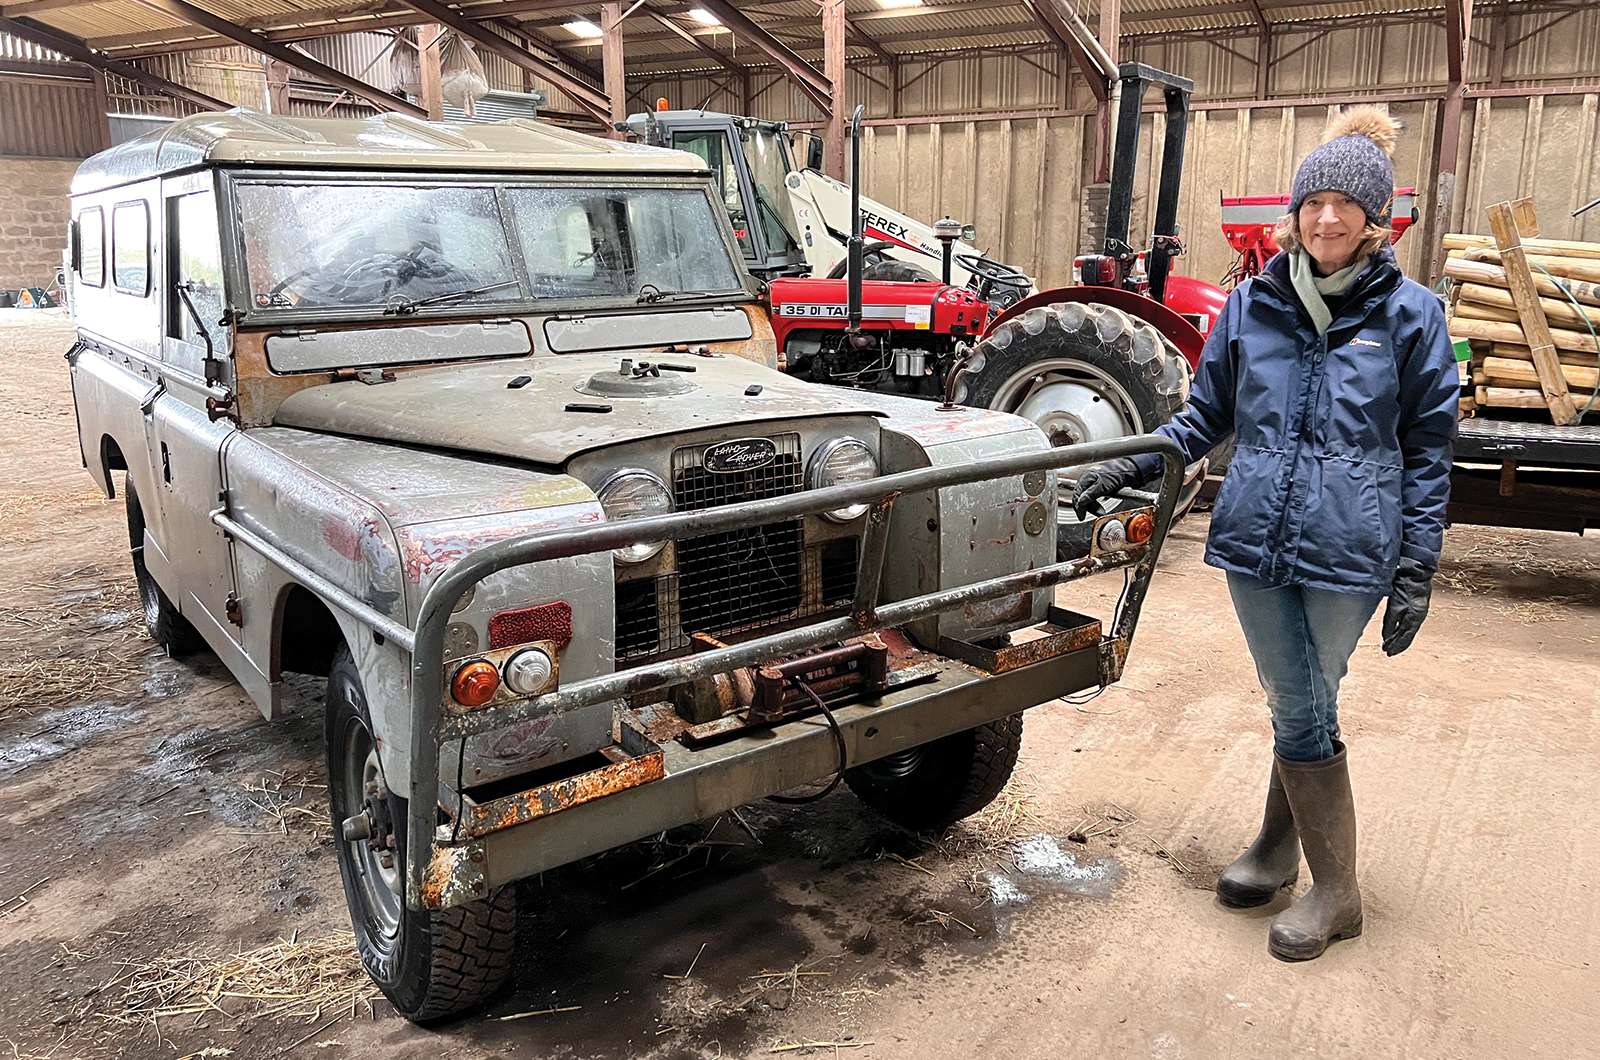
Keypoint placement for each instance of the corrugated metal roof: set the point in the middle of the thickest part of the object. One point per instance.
(929, 28)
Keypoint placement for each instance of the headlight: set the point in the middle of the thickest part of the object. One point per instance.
(635, 494)
(839, 463)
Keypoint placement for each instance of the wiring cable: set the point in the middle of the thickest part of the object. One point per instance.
(838, 735)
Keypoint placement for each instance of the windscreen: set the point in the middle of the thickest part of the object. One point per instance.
(370, 245)
(620, 242)
(406, 248)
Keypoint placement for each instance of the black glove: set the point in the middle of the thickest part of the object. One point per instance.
(1103, 480)
(1408, 605)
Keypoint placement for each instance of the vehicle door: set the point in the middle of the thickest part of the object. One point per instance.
(723, 156)
(196, 356)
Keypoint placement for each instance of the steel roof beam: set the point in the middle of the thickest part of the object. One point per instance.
(591, 99)
(77, 50)
(695, 42)
(539, 40)
(817, 88)
(187, 12)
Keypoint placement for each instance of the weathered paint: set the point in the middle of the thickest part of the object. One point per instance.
(560, 794)
(455, 875)
(468, 407)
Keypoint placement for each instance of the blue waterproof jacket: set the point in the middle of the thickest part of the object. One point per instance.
(1341, 460)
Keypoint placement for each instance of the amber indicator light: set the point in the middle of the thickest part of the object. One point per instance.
(1140, 527)
(475, 684)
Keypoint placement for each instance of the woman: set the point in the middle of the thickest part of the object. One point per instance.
(1338, 380)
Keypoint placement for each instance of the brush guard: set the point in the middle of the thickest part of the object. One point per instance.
(448, 865)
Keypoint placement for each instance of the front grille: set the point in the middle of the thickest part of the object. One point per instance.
(695, 487)
(737, 581)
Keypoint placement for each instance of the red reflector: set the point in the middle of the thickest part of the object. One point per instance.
(552, 622)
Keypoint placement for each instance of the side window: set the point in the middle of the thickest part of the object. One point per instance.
(130, 248)
(196, 266)
(92, 247)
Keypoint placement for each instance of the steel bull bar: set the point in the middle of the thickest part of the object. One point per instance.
(699, 784)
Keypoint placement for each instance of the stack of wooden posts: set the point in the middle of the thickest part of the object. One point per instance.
(1513, 300)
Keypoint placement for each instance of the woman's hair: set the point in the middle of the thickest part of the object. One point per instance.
(1287, 236)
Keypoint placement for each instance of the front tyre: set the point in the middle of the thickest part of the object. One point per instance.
(931, 786)
(430, 964)
(1083, 373)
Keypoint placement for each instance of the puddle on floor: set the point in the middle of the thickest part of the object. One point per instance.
(1044, 866)
(56, 732)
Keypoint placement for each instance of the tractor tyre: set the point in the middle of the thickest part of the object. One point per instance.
(162, 621)
(929, 787)
(1083, 373)
(431, 963)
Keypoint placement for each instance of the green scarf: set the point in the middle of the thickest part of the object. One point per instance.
(1311, 287)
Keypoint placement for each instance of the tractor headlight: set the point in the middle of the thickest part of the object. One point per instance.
(839, 463)
(635, 494)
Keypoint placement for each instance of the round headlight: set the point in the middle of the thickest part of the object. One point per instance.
(839, 463)
(635, 494)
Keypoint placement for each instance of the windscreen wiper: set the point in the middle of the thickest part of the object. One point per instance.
(402, 306)
(652, 294)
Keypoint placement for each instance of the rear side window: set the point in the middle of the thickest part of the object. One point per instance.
(92, 247)
(130, 248)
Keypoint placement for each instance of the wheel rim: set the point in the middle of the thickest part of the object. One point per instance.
(1072, 402)
(363, 779)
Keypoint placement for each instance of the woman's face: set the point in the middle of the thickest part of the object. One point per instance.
(1331, 226)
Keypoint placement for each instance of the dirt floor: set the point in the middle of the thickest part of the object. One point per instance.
(168, 887)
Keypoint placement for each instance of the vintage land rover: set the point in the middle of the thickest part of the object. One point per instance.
(483, 423)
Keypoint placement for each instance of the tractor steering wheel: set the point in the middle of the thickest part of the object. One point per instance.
(992, 271)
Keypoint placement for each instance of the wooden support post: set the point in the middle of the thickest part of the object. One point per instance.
(277, 87)
(611, 63)
(1447, 141)
(102, 107)
(1514, 260)
(833, 158)
(428, 38)
(1108, 28)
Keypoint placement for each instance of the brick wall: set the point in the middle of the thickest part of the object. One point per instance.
(33, 219)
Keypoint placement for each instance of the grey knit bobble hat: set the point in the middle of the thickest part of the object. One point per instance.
(1355, 161)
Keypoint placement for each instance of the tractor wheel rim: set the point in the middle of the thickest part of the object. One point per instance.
(1072, 402)
(380, 886)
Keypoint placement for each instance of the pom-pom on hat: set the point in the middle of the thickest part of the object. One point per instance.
(1355, 161)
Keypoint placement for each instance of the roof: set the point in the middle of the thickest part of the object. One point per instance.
(386, 140)
(124, 29)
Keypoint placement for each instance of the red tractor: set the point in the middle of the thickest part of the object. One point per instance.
(1108, 357)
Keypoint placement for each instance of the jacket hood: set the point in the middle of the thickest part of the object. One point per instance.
(475, 408)
(1377, 281)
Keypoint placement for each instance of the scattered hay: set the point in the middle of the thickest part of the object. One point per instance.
(289, 980)
(102, 621)
(985, 838)
(282, 798)
(43, 682)
(20, 512)
(1535, 611)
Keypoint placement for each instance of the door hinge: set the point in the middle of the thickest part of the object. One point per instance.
(223, 409)
(234, 612)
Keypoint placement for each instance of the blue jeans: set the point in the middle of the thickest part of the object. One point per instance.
(1301, 639)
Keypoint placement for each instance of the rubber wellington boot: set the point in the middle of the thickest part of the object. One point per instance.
(1325, 814)
(1272, 862)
